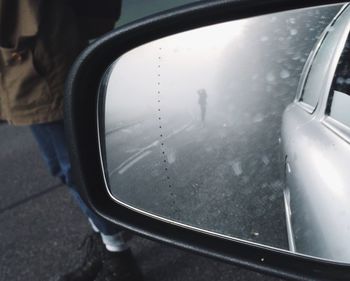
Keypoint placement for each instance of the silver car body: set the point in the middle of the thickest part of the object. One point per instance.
(317, 157)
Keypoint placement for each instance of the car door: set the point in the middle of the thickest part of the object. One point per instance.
(315, 192)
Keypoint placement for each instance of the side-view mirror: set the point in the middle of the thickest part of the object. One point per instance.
(223, 127)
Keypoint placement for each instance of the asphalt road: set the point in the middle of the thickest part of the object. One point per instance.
(41, 228)
(223, 175)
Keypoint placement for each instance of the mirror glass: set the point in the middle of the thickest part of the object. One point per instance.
(233, 128)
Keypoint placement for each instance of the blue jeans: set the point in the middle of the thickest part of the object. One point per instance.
(52, 144)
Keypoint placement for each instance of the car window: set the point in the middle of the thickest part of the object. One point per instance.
(317, 71)
(339, 97)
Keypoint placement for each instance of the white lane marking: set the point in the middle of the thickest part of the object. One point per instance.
(133, 162)
(179, 130)
(141, 150)
(190, 128)
(153, 144)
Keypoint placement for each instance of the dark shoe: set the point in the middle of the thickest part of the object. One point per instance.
(92, 263)
(119, 266)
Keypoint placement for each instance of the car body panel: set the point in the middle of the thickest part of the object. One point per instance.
(316, 192)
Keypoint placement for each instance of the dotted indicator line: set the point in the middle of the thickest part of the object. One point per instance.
(161, 134)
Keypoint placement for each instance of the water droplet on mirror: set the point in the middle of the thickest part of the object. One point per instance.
(270, 77)
(292, 20)
(331, 28)
(171, 157)
(258, 118)
(265, 160)
(293, 32)
(237, 169)
(284, 74)
(340, 80)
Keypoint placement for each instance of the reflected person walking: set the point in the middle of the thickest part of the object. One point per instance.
(202, 101)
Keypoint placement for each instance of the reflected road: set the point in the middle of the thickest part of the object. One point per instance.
(223, 175)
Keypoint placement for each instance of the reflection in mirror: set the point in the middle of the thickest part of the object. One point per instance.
(203, 128)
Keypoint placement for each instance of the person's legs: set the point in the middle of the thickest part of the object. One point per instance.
(51, 141)
(47, 150)
(203, 111)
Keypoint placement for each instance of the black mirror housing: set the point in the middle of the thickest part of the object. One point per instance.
(83, 125)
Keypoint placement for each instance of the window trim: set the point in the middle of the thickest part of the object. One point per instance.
(306, 106)
(330, 95)
(308, 66)
(337, 127)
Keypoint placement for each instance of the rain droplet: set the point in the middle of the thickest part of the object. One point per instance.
(292, 20)
(258, 118)
(284, 74)
(171, 156)
(340, 80)
(237, 169)
(293, 32)
(270, 77)
(266, 160)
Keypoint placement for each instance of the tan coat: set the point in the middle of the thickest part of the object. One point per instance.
(39, 40)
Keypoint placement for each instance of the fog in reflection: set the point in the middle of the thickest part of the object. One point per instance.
(193, 123)
(158, 68)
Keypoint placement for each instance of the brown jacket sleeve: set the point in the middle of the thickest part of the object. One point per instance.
(39, 40)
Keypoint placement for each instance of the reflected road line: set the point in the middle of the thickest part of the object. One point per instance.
(178, 130)
(130, 161)
(153, 144)
(133, 162)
